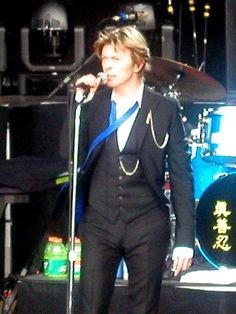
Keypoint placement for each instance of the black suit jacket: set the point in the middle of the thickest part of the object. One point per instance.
(159, 121)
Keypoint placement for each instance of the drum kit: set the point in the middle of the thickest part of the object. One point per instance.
(213, 155)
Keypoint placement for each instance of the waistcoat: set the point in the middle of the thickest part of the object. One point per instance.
(113, 193)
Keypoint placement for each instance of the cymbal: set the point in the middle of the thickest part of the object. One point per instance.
(192, 84)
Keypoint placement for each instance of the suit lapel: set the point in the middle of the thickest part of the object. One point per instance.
(99, 119)
(101, 114)
(148, 104)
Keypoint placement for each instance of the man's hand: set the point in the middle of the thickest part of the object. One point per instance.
(181, 264)
(90, 82)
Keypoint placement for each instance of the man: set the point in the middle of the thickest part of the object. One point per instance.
(126, 213)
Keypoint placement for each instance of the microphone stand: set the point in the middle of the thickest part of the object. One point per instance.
(74, 126)
(69, 77)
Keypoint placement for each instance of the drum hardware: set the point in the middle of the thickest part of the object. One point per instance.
(198, 135)
(202, 123)
(172, 224)
(217, 127)
(172, 92)
(214, 134)
(195, 137)
(168, 260)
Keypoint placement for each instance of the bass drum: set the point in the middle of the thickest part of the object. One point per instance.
(204, 172)
(216, 222)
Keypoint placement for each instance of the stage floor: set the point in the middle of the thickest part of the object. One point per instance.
(41, 295)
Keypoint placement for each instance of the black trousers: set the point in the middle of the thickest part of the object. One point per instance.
(143, 243)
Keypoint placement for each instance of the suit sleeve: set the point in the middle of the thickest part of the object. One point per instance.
(181, 182)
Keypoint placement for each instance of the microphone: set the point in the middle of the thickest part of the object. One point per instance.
(81, 96)
(102, 81)
(132, 16)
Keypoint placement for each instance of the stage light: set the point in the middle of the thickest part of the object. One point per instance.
(50, 16)
(48, 44)
(51, 19)
(52, 44)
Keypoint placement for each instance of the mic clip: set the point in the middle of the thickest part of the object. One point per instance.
(124, 17)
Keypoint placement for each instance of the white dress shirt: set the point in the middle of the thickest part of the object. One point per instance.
(122, 105)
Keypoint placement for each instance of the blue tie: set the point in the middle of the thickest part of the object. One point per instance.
(110, 129)
(112, 117)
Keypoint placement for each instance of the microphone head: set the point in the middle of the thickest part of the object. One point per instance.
(103, 77)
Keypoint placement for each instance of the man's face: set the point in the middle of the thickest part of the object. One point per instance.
(119, 66)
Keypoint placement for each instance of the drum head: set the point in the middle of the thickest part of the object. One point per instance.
(216, 221)
(219, 128)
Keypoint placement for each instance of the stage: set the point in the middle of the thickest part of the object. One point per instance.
(39, 294)
(200, 76)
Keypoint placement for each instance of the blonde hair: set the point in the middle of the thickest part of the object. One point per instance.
(125, 37)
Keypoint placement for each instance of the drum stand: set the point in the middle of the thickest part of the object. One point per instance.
(168, 261)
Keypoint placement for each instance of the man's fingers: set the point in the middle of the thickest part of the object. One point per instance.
(181, 264)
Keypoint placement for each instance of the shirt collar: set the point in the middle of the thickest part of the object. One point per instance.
(130, 100)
